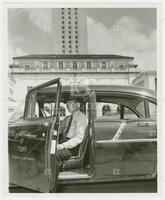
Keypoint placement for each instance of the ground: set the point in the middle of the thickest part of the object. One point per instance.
(148, 186)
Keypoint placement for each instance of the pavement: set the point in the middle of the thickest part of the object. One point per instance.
(147, 186)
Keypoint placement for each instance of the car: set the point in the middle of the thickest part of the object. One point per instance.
(120, 142)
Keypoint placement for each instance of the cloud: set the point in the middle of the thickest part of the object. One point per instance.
(17, 40)
(12, 52)
(124, 37)
(40, 18)
(15, 47)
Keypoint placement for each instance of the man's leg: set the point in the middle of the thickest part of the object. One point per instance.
(61, 155)
(64, 154)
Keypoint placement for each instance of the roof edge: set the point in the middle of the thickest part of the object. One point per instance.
(72, 56)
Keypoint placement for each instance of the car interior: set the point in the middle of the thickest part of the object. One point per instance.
(80, 161)
(45, 108)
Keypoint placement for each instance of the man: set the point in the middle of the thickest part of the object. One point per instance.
(74, 133)
(72, 130)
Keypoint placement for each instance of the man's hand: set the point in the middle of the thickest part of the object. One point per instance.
(60, 147)
(54, 132)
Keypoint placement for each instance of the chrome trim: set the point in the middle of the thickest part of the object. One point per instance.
(125, 141)
(120, 130)
(72, 175)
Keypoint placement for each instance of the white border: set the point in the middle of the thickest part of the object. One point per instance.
(4, 88)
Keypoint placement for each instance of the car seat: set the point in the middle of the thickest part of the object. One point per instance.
(76, 162)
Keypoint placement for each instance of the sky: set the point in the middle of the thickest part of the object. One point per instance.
(124, 31)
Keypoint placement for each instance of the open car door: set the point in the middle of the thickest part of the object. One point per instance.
(32, 144)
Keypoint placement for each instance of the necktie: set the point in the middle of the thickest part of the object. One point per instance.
(64, 136)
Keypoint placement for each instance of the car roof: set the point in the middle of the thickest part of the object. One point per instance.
(106, 89)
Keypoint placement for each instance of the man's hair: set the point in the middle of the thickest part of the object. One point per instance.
(75, 101)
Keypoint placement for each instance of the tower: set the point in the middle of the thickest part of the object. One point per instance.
(69, 31)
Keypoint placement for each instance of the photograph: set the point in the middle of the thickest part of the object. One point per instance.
(82, 99)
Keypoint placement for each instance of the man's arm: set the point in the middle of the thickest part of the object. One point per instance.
(73, 142)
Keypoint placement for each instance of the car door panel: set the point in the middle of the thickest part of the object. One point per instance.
(122, 159)
(106, 129)
(31, 162)
(130, 150)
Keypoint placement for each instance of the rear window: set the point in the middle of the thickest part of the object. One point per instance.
(122, 107)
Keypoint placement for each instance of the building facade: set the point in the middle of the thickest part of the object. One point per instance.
(85, 69)
(69, 31)
(146, 79)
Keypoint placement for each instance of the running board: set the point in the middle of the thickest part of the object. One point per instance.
(72, 175)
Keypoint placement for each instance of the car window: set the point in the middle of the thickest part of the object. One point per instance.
(107, 110)
(120, 106)
(153, 110)
(113, 111)
(63, 111)
(141, 109)
(129, 114)
(48, 109)
(31, 105)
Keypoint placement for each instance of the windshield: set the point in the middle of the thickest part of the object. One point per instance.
(17, 114)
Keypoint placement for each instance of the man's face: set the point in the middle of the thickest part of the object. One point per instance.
(72, 106)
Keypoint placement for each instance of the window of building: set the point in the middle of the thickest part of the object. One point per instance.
(70, 46)
(63, 27)
(76, 41)
(62, 12)
(88, 65)
(63, 51)
(69, 32)
(69, 27)
(121, 67)
(103, 65)
(75, 22)
(69, 22)
(76, 46)
(63, 41)
(76, 50)
(62, 22)
(70, 41)
(63, 36)
(63, 46)
(60, 64)
(76, 27)
(74, 65)
(76, 32)
(27, 67)
(63, 32)
(69, 36)
(70, 51)
(45, 64)
(63, 17)
(21, 66)
(69, 17)
(62, 8)
(76, 36)
(69, 8)
(69, 13)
